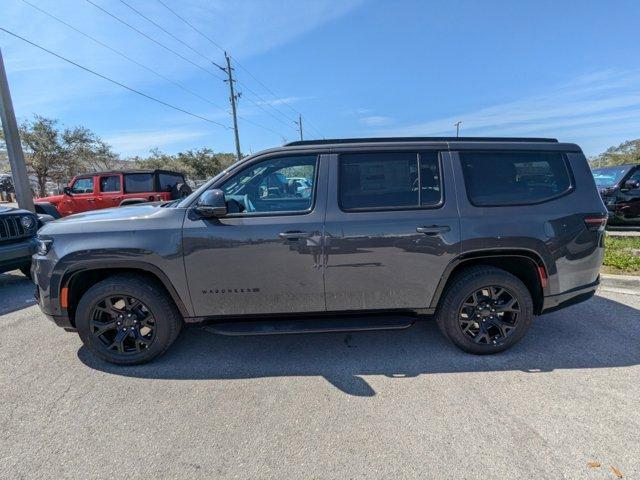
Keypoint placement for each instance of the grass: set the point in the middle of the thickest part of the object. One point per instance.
(622, 255)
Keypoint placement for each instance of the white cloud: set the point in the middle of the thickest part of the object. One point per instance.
(139, 143)
(375, 121)
(606, 102)
(283, 101)
(357, 111)
(42, 83)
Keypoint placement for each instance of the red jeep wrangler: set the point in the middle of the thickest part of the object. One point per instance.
(114, 189)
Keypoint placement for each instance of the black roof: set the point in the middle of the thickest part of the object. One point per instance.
(115, 172)
(333, 141)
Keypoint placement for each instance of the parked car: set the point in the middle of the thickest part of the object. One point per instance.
(620, 190)
(18, 230)
(113, 189)
(484, 234)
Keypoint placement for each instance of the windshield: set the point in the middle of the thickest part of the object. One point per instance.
(609, 176)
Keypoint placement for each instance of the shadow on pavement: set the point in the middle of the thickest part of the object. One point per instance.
(600, 333)
(16, 292)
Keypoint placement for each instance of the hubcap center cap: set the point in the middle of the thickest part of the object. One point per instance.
(129, 320)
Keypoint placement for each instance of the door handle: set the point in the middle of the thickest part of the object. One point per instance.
(434, 229)
(292, 235)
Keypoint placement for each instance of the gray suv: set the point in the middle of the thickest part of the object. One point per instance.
(482, 233)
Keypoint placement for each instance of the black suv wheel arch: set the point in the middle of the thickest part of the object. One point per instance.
(81, 278)
(523, 264)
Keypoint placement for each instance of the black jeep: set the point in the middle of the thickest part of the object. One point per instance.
(620, 190)
(18, 230)
(482, 233)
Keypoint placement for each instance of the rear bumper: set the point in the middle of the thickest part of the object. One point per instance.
(15, 255)
(570, 297)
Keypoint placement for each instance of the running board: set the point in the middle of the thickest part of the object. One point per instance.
(312, 325)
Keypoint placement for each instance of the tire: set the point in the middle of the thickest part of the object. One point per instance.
(491, 325)
(26, 271)
(157, 313)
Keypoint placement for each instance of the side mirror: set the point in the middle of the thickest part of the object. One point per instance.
(630, 185)
(66, 191)
(212, 204)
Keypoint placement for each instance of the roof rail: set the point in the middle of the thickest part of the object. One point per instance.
(418, 139)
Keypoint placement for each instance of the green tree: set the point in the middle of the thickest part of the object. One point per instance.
(56, 154)
(200, 164)
(626, 152)
(204, 163)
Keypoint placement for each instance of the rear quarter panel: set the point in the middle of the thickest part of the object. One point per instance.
(554, 230)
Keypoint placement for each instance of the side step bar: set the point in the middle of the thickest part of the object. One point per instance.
(312, 325)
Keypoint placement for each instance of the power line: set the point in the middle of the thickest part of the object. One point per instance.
(140, 32)
(125, 56)
(213, 42)
(217, 45)
(115, 82)
(167, 31)
(169, 49)
(253, 122)
(159, 75)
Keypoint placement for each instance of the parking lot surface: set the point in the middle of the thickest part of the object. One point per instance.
(403, 404)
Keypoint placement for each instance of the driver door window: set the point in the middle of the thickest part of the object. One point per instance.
(276, 185)
(82, 185)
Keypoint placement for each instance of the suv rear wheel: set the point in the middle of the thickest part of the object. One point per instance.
(485, 310)
(127, 320)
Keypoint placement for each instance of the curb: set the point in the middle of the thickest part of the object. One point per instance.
(623, 233)
(624, 282)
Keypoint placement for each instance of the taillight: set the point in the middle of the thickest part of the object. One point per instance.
(594, 223)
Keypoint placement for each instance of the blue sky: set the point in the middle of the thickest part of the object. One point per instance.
(570, 70)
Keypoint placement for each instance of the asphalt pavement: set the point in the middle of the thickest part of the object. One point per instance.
(401, 404)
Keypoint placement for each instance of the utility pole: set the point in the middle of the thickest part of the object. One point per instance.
(299, 123)
(457, 125)
(233, 98)
(14, 147)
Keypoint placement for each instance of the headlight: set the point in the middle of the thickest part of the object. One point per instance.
(43, 246)
(28, 222)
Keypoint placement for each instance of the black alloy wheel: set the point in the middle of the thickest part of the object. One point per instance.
(485, 310)
(123, 324)
(127, 319)
(489, 315)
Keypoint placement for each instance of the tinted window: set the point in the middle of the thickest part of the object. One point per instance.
(283, 184)
(389, 180)
(514, 178)
(138, 182)
(110, 184)
(169, 180)
(609, 176)
(83, 185)
(635, 176)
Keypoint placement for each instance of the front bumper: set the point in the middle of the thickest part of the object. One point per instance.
(16, 254)
(47, 293)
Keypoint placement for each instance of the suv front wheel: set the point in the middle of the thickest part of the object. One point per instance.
(485, 310)
(127, 320)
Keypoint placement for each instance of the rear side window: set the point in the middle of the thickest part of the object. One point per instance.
(110, 184)
(169, 180)
(389, 180)
(514, 178)
(138, 182)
